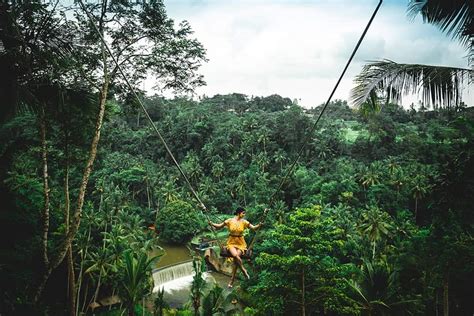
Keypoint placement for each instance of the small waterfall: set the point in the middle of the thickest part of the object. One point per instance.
(174, 277)
(167, 274)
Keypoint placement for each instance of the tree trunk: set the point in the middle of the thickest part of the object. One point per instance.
(96, 292)
(79, 278)
(303, 292)
(70, 262)
(63, 248)
(131, 310)
(72, 283)
(9, 37)
(437, 302)
(148, 193)
(113, 294)
(416, 209)
(446, 294)
(86, 293)
(45, 213)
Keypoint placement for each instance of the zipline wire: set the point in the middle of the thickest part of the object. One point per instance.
(313, 128)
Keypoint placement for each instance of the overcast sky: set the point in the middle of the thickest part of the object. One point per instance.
(297, 49)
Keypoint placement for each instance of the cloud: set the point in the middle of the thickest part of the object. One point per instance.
(299, 48)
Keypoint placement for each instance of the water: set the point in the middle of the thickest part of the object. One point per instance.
(177, 278)
(177, 292)
(172, 273)
(172, 254)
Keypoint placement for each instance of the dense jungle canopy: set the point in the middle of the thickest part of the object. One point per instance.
(375, 219)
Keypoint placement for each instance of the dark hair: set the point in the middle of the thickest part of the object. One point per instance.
(239, 210)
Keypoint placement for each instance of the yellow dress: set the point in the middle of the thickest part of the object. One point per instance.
(236, 233)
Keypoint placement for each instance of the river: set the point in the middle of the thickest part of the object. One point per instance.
(172, 254)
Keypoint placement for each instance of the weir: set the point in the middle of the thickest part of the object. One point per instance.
(176, 279)
(173, 277)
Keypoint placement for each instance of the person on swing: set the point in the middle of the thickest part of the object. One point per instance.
(236, 244)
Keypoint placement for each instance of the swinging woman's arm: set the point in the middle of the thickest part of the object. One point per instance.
(218, 226)
(255, 227)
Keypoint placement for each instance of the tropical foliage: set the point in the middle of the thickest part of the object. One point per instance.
(375, 219)
(440, 87)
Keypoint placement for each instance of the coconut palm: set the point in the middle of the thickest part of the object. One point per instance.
(218, 169)
(375, 225)
(280, 157)
(262, 161)
(419, 188)
(263, 138)
(440, 87)
(398, 178)
(169, 192)
(369, 176)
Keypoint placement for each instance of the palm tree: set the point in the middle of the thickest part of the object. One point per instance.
(218, 169)
(198, 285)
(100, 264)
(392, 165)
(263, 138)
(280, 157)
(241, 186)
(168, 191)
(279, 208)
(375, 293)
(369, 177)
(419, 188)
(134, 279)
(207, 187)
(192, 166)
(375, 224)
(262, 161)
(398, 178)
(439, 86)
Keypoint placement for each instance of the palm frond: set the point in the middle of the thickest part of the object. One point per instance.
(380, 303)
(454, 17)
(361, 298)
(438, 86)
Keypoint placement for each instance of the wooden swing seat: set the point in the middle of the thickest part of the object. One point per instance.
(246, 255)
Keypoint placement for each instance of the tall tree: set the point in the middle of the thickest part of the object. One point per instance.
(375, 225)
(303, 274)
(53, 47)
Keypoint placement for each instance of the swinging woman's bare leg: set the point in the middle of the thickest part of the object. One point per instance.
(236, 253)
(234, 272)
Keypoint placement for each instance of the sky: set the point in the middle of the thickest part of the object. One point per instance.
(298, 49)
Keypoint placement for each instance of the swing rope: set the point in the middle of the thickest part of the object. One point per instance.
(313, 128)
(203, 210)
